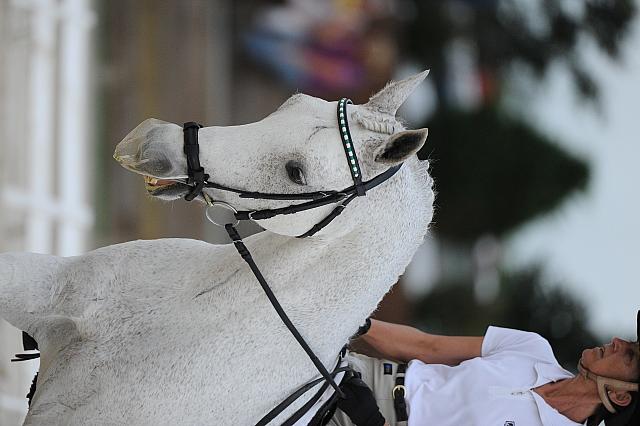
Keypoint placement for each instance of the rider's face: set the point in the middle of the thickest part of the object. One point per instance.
(617, 359)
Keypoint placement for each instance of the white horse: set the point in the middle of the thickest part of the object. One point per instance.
(178, 332)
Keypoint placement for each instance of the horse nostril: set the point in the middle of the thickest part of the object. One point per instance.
(141, 156)
(130, 152)
(154, 162)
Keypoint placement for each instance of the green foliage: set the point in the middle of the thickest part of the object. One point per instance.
(523, 302)
(493, 173)
(507, 31)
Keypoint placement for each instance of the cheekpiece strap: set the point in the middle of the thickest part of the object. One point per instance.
(197, 176)
(349, 149)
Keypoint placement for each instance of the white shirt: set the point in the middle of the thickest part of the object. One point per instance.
(494, 389)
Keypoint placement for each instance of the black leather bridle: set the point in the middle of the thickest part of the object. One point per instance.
(199, 180)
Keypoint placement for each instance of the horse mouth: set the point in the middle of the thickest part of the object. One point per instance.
(165, 188)
(152, 184)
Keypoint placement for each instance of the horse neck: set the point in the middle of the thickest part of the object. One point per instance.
(342, 280)
(392, 224)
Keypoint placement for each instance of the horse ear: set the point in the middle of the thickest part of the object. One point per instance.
(389, 99)
(401, 146)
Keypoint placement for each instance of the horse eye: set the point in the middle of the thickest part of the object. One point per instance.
(295, 173)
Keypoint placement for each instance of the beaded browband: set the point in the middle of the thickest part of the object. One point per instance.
(349, 149)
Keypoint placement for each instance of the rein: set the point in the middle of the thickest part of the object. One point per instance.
(226, 216)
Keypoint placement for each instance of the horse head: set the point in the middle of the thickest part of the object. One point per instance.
(297, 149)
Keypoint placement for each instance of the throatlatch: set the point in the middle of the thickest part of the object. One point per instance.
(229, 218)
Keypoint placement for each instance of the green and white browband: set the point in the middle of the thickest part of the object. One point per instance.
(347, 142)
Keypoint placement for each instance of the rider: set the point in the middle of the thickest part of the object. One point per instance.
(508, 377)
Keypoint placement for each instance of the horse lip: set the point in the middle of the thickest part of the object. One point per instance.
(155, 189)
(155, 182)
(176, 188)
(168, 187)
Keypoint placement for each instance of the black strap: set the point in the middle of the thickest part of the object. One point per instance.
(25, 357)
(246, 255)
(197, 177)
(297, 394)
(326, 412)
(29, 344)
(306, 407)
(328, 409)
(399, 403)
(343, 197)
(271, 196)
(363, 329)
(317, 195)
(296, 208)
(32, 389)
(324, 222)
(310, 403)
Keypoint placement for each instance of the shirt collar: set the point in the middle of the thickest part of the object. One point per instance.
(550, 373)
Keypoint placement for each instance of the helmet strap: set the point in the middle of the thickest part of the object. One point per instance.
(604, 384)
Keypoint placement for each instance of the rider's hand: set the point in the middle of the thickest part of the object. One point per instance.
(359, 404)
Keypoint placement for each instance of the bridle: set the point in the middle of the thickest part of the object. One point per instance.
(225, 215)
(199, 180)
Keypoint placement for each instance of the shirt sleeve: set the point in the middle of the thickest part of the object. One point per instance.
(500, 340)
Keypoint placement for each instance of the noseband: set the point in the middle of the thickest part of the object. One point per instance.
(198, 180)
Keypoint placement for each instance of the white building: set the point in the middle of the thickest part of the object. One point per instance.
(45, 153)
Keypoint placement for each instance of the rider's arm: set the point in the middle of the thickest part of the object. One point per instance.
(402, 343)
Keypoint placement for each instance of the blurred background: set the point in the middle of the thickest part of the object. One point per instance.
(531, 106)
